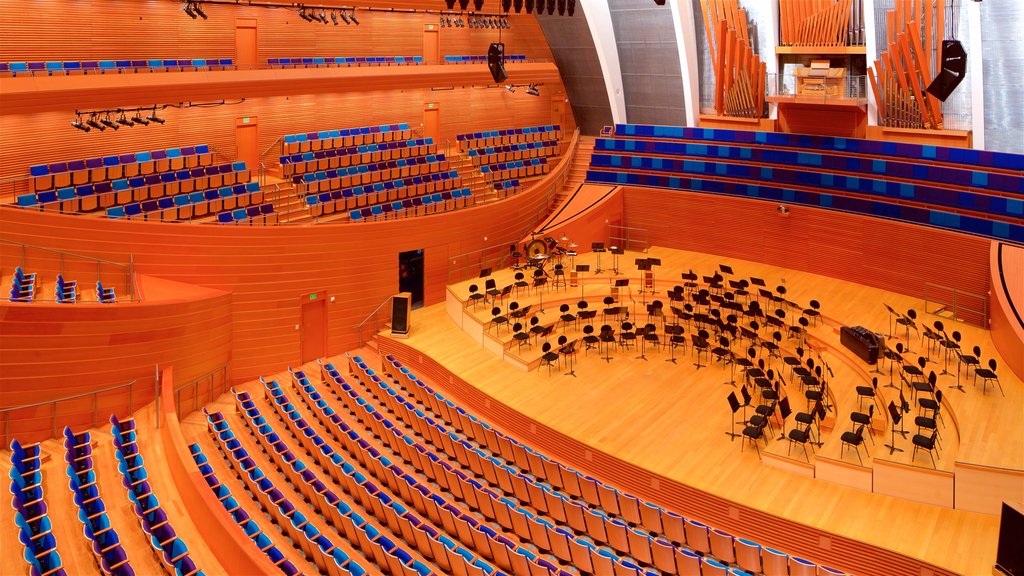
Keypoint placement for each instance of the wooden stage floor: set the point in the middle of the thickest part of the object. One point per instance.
(671, 419)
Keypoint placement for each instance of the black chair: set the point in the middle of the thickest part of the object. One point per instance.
(607, 337)
(810, 418)
(922, 387)
(801, 436)
(474, 295)
(535, 328)
(763, 415)
(655, 312)
(772, 346)
(932, 405)
(539, 279)
(520, 283)
(925, 443)
(583, 311)
(972, 360)
(566, 317)
(651, 337)
(674, 338)
(723, 352)
(864, 419)
(627, 336)
(497, 319)
(520, 336)
(559, 277)
(491, 289)
(908, 322)
(700, 344)
(548, 357)
(798, 331)
(609, 309)
(590, 341)
(987, 374)
(754, 433)
(746, 362)
(568, 352)
(854, 439)
(814, 312)
(794, 361)
(926, 423)
(867, 392)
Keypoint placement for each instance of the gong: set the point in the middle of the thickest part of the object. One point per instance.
(536, 248)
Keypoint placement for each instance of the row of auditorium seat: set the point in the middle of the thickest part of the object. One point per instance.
(867, 206)
(170, 548)
(517, 151)
(336, 178)
(481, 59)
(104, 194)
(23, 289)
(323, 139)
(747, 554)
(951, 174)
(448, 517)
(316, 62)
(304, 533)
(880, 189)
(516, 169)
(337, 157)
(880, 148)
(253, 214)
(506, 188)
(35, 529)
(501, 137)
(223, 494)
(97, 169)
(382, 192)
(113, 66)
(361, 532)
(191, 204)
(416, 206)
(110, 555)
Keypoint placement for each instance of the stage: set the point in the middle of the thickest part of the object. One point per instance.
(671, 419)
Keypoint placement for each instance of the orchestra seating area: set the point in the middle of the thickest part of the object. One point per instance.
(64, 67)
(971, 191)
(480, 58)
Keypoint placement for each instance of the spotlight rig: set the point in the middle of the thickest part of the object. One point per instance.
(115, 118)
(194, 10)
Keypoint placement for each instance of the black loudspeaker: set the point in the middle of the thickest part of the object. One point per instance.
(517, 5)
(1010, 556)
(561, 7)
(551, 7)
(954, 67)
(401, 307)
(572, 7)
(506, 5)
(659, 2)
(478, 5)
(540, 7)
(496, 61)
(528, 4)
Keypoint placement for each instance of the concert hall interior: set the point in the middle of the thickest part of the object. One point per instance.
(512, 287)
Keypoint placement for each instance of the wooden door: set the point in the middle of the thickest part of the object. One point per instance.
(313, 327)
(246, 47)
(432, 121)
(431, 44)
(247, 137)
(558, 110)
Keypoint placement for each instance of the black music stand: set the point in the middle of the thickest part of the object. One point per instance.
(754, 281)
(905, 406)
(567, 352)
(616, 252)
(642, 265)
(894, 413)
(580, 269)
(734, 405)
(621, 283)
(598, 248)
(485, 272)
(821, 417)
(784, 412)
(892, 315)
(653, 262)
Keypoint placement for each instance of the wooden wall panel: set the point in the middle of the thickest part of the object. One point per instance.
(266, 269)
(110, 29)
(1007, 331)
(48, 137)
(882, 253)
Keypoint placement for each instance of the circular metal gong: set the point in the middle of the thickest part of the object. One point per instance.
(536, 248)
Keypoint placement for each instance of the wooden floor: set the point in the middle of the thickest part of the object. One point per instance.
(671, 418)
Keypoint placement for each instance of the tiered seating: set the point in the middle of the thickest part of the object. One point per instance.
(471, 140)
(262, 214)
(88, 197)
(190, 205)
(352, 155)
(65, 292)
(337, 178)
(518, 151)
(323, 62)
(23, 286)
(303, 533)
(105, 295)
(481, 59)
(101, 168)
(368, 537)
(34, 526)
(506, 188)
(168, 546)
(459, 523)
(515, 169)
(239, 515)
(106, 546)
(415, 206)
(64, 67)
(327, 139)
(666, 531)
(977, 192)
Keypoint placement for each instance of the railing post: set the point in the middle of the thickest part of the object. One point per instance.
(53, 431)
(130, 390)
(94, 408)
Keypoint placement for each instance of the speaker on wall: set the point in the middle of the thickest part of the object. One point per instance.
(496, 61)
(401, 307)
(954, 67)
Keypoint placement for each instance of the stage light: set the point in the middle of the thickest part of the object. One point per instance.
(532, 90)
(352, 17)
(124, 121)
(511, 89)
(334, 17)
(188, 10)
(106, 122)
(93, 123)
(199, 10)
(322, 17)
(138, 119)
(345, 18)
(154, 118)
(303, 15)
(81, 126)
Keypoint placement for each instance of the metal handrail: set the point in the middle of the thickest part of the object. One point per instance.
(127, 269)
(972, 316)
(194, 383)
(6, 412)
(626, 236)
(359, 327)
(271, 147)
(63, 252)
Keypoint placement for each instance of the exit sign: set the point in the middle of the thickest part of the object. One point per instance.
(312, 296)
(431, 105)
(245, 120)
